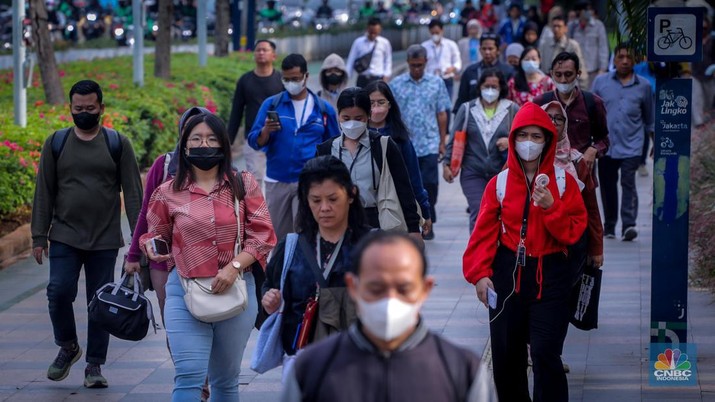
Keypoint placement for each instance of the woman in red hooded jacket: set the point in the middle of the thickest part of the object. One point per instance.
(537, 222)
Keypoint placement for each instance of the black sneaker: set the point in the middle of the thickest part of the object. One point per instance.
(429, 235)
(629, 234)
(93, 377)
(60, 368)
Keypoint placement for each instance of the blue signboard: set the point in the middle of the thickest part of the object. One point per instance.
(675, 33)
(671, 189)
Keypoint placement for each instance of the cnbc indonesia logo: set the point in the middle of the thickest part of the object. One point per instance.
(672, 365)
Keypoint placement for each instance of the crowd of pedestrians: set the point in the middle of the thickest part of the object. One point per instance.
(339, 198)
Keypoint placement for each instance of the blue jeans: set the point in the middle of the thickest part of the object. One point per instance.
(473, 186)
(198, 348)
(429, 167)
(65, 265)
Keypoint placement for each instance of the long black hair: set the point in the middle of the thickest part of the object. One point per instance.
(185, 171)
(316, 171)
(398, 130)
(520, 82)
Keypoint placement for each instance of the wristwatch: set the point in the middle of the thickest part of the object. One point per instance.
(236, 265)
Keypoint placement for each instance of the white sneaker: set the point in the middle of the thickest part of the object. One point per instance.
(642, 171)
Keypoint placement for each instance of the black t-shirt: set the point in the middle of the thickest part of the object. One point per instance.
(251, 91)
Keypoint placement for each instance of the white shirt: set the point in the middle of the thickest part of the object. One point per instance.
(303, 109)
(381, 63)
(441, 57)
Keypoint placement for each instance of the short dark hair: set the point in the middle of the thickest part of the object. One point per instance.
(623, 46)
(490, 36)
(559, 17)
(294, 60)
(384, 237)
(435, 23)
(493, 72)
(582, 5)
(86, 87)
(354, 97)
(566, 56)
(374, 21)
(270, 42)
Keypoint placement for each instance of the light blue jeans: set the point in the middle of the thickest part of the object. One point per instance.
(199, 348)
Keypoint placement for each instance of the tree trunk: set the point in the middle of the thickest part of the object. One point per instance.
(162, 61)
(223, 14)
(54, 94)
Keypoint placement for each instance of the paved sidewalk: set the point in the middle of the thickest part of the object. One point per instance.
(608, 364)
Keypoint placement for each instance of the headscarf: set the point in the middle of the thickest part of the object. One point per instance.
(565, 155)
(192, 111)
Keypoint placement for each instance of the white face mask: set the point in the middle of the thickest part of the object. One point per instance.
(388, 318)
(530, 66)
(565, 88)
(353, 129)
(490, 95)
(436, 38)
(528, 150)
(294, 88)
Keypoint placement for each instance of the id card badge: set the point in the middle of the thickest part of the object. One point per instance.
(521, 255)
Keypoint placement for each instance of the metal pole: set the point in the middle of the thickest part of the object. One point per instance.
(250, 25)
(138, 36)
(18, 60)
(236, 6)
(201, 23)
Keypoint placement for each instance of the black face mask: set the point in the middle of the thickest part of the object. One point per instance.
(333, 79)
(204, 158)
(85, 120)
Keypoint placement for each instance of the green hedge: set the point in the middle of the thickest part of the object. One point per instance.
(148, 116)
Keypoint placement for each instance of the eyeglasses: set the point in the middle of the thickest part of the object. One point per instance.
(379, 102)
(557, 119)
(196, 142)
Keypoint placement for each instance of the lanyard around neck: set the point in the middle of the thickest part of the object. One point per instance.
(302, 115)
(328, 266)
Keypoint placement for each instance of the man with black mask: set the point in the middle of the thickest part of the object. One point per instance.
(77, 210)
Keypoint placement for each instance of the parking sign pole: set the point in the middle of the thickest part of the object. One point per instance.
(19, 92)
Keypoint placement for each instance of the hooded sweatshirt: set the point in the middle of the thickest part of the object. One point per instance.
(549, 230)
(332, 61)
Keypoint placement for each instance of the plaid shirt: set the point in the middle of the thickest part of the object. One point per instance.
(201, 228)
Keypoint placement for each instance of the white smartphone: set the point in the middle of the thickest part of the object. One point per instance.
(492, 298)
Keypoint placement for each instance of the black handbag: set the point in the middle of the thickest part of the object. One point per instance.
(585, 298)
(362, 63)
(122, 309)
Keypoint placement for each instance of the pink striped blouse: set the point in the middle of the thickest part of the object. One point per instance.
(201, 228)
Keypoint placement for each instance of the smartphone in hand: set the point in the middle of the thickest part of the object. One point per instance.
(273, 115)
(160, 247)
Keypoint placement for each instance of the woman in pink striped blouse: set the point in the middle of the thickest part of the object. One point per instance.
(194, 214)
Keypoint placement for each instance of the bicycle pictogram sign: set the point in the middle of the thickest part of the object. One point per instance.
(675, 37)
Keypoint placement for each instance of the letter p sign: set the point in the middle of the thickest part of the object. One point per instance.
(664, 24)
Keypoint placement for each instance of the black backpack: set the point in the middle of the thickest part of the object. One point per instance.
(111, 138)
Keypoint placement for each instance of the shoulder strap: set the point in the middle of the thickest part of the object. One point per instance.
(559, 172)
(291, 242)
(276, 100)
(59, 138)
(384, 140)
(114, 143)
(312, 261)
(167, 161)
(591, 110)
(501, 185)
(560, 180)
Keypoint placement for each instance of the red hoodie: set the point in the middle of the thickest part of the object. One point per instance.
(548, 231)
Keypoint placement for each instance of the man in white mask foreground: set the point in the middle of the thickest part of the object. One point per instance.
(389, 354)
